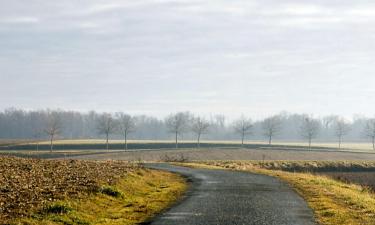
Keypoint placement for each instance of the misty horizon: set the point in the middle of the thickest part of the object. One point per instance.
(229, 118)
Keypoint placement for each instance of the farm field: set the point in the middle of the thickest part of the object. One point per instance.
(82, 192)
(229, 154)
(98, 144)
(334, 202)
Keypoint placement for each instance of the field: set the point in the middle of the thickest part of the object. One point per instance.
(334, 202)
(82, 192)
(150, 150)
(96, 144)
(228, 154)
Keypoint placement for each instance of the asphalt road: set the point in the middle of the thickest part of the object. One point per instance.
(219, 197)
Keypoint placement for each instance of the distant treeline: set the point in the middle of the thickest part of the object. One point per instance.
(22, 124)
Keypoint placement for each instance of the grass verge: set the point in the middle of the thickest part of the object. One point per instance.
(333, 202)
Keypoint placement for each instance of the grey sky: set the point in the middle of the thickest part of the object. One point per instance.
(155, 57)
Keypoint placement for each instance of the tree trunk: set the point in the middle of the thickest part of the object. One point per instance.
(373, 143)
(309, 143)
(51, 144)
(126, 141)
(176, 140)
(37, 146)
(243, 137)
(339, 142)
(199, 143)
(107, 136)
(270, 140)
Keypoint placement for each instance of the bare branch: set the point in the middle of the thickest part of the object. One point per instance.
(177, 124)
(53, 127)
(342, 128)
(106, 126)
(126, 126)
(369, 131)
(243, 126)
(271, 127)
(310, 129)
(200, 126)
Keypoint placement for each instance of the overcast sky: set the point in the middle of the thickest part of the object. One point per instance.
(155, 57)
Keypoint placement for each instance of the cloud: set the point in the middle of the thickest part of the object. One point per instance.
(197, 54)
(19, 20)
(102, 8)
(305, 10)
(308, 22)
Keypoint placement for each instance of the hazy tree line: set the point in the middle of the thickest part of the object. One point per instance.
(52, 124)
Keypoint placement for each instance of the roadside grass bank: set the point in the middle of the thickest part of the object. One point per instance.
(334, 202)
(54, 192)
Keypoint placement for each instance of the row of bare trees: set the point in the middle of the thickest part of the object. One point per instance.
(122, 123)
(182, 125)
(309, 128)
(182, 122)
(177, 124)
(271, 127)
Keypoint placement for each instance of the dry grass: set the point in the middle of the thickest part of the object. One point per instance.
(52, 192)
(333, 202)
(366, 179)
(301, 165)
(142, 195)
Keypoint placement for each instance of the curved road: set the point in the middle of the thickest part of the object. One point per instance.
(221, 197)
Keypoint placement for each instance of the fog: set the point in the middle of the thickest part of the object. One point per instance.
(21, 124)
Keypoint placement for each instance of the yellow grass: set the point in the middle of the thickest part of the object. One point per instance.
(143, 194)
(333, 202)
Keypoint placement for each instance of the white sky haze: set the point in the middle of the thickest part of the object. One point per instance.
(253, 57)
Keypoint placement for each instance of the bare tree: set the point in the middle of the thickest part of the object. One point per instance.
(310, 129)
(220, 120)
(370, 131)
(53, 128)
(177, 124)
(329, 121)
(106, 126)
(342, 128)
(199, 126)
(37, 134)
(126, 126)
(243, 126)
(271, 127)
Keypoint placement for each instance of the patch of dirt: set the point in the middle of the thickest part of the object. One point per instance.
(31, 184)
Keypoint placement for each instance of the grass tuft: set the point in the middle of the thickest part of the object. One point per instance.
(111, 191)
(58, 208)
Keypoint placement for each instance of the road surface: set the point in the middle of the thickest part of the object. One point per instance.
(220, 197)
